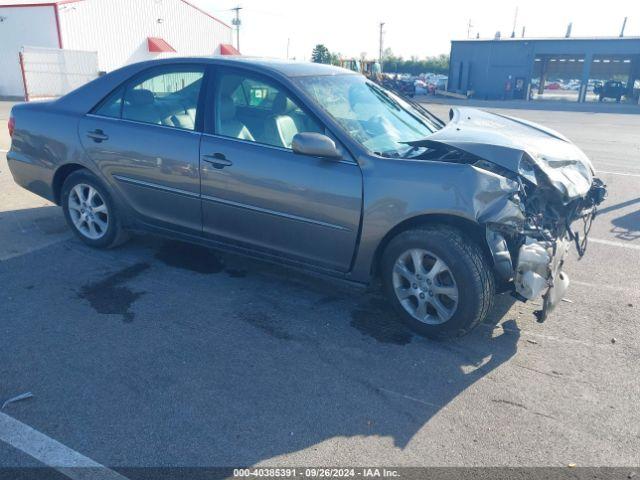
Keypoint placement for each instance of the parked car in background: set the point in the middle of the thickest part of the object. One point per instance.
(316, 167)
(441, 83)
(611, 89)
(402, 85)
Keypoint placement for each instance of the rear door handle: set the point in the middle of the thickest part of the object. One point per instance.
(217, 160)
(97, 136)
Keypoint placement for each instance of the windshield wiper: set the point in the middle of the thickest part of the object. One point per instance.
(405, 154)
(414, 149)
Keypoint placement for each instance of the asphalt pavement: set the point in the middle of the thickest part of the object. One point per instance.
(164, 354)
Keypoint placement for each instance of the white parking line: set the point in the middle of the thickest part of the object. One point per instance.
(630, 246)
(605, 287)
(619, 173)
(52, 453)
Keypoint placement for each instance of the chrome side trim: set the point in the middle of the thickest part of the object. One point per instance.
(177, 191)
(155, 186)
(273, 212)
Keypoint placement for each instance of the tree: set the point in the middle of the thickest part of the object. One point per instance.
(321, 54)
(415, 66)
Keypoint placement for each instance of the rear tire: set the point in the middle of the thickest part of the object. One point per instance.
(90, 211)
(465, 286)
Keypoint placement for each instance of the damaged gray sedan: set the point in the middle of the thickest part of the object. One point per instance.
(318, 168)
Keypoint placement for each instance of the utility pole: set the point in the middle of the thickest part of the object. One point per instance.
(624, 25)
(381, 44)
(236, 22)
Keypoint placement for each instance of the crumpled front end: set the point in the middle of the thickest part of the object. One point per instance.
(550, 204)
(532, 255)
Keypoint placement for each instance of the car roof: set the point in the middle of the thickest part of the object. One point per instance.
(288, 68)
(84, 98)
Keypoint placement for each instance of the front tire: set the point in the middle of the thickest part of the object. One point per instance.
(90, 211)
(438, 281)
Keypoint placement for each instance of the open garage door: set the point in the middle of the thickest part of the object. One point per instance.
(557, 77)
(614, 78)
(52, 72)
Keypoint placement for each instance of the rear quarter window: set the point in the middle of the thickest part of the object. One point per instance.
(111, 106)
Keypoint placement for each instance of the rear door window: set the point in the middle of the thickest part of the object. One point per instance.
(169, 98)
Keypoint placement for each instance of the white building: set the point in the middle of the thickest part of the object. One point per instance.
(120, 31)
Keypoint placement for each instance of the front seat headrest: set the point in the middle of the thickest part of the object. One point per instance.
(140, 97)
(227, 108)
(282, 105)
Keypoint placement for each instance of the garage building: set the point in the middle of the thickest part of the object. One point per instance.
(544, 68)
(119, 31)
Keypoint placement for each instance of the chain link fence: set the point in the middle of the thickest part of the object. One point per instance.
(52, 72)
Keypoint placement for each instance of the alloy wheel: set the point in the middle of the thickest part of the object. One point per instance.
(425, 286)
(88, 211)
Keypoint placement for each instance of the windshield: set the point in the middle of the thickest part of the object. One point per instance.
(376, 118)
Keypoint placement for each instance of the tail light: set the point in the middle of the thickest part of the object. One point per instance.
(11, 124)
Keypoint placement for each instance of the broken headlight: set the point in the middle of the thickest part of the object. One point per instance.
(527, 169)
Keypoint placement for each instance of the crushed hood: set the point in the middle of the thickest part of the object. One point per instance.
(507, 141)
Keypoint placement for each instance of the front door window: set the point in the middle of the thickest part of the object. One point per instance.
(259, 111)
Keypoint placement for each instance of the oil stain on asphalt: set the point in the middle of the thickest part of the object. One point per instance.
(375, 319)
(110, 296)
(195, 259)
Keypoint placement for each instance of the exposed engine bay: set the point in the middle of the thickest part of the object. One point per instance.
(546, 202)
(540, 247)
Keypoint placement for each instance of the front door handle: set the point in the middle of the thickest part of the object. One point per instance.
(97, 136)
(217, 160)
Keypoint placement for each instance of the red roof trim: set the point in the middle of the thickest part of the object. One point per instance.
(62, 2)
(157, 45)
(207, 14)
(56, 12)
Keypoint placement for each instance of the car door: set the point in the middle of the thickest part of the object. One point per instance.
(144, 139)
(258, 192)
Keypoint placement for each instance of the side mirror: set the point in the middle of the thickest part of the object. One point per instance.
(315, 145)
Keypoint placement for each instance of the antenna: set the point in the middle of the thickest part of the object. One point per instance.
(624, 25)
(569, 28)
(515, 21)
(469, 27)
